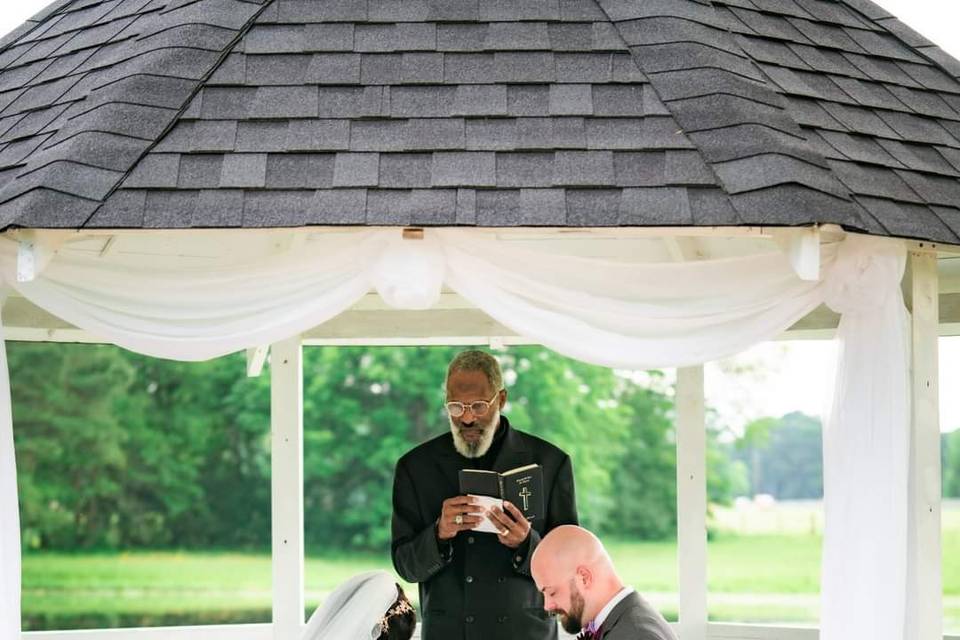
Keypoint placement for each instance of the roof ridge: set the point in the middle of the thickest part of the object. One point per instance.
(611, 8)
(97, 100)
(674, 63)
(188, 101)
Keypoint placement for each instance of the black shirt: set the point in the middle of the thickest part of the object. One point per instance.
(486, 460)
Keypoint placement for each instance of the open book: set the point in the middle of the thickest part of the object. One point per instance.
(522, 487)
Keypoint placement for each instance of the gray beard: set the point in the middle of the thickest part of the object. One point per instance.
(474, 449)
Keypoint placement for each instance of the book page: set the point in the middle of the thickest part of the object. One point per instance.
(485, 503)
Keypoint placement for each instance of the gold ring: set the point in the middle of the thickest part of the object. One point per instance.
(458, 518)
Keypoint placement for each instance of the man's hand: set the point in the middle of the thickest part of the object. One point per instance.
(459, 506)
(514, 528)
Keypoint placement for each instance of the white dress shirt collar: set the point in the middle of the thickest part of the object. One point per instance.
(614, 601)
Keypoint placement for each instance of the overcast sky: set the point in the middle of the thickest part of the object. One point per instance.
(801, 371)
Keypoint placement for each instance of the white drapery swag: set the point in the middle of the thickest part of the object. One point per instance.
(606, 312)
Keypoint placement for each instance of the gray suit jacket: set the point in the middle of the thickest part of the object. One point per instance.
(634, 619)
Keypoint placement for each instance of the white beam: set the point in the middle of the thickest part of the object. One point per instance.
(256, 358)
(30, 260)
(924, 567)
(691, 503)
(507, 232)
(205, 632)
(109, 247)
(494, 342)
(286, 464)
(728, 631)
(291, 241)
(682, 249)
(35, 250)
(448, 300)
(715, 631)
(802, 247)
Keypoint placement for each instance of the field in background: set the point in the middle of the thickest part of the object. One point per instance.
(764, 566)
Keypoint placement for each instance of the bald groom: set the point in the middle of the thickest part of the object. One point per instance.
(580, 585)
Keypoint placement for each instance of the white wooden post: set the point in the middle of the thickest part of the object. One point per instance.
(691, 503)
(286, 464)
(925, 565)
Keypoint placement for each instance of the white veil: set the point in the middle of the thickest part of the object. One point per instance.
(354, 610)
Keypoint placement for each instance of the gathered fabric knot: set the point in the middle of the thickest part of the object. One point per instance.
(865, 273)
(409, 275)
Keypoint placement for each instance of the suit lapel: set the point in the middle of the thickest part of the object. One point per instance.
(617, 612)
(449, 462)
(513, 453)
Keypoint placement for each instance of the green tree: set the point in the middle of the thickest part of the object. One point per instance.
(950, 459)
(644, 480)
(71, 448)
(199, 471)
(755, 439)
(363, 409)
(117, 449)
(785, 456)
(577, 407)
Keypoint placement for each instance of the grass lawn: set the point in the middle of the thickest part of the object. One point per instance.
(770, 576)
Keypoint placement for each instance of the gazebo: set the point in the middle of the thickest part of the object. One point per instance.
(635, 183)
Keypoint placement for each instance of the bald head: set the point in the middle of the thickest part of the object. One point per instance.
(567, 547)
(575, 574)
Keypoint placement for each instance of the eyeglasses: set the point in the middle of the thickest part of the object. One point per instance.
(479, 408)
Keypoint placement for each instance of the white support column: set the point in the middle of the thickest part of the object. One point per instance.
(691, 503)
(286, 463)
(924, 567)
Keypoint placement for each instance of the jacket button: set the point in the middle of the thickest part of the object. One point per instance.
(501, 579)
(469, 618)
(470, 540)
(469, 578)
(519, 558)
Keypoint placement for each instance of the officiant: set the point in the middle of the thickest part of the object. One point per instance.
(476, 586)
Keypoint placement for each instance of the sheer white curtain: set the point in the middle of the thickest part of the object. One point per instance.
(602, 311)
(866, 451)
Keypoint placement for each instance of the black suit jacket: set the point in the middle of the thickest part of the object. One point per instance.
(475, 588)
(634, 619)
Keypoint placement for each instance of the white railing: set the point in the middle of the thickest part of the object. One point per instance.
(715, 631)
(206, 632)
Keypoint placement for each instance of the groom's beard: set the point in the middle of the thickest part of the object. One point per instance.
(478, 447)
(572, 620)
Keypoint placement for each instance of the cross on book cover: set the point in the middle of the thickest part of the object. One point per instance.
(522, 487)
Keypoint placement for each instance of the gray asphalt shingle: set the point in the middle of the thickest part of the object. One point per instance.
(501, 112)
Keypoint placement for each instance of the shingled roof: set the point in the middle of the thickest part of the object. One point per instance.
(275, 113)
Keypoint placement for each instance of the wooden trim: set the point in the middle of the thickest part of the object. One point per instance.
(605, 232)
(494, 342)
(256, 358)
(727, 631)
(759, 231)
(286, 464)
(924, 565)
(715, 631)
(691, 503)
(211, 632)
